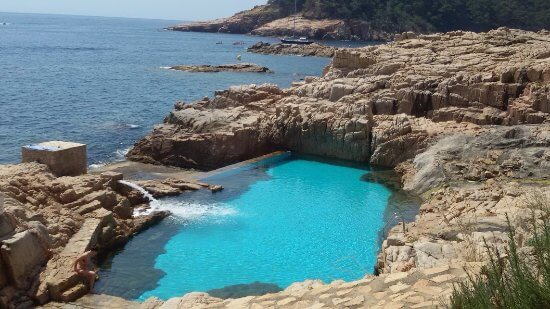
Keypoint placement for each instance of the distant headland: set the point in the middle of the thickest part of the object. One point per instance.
(376, 19)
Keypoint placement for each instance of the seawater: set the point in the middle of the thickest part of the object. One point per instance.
(99, 80)
(276, 222)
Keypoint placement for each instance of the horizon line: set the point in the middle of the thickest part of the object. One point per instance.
(83, 15)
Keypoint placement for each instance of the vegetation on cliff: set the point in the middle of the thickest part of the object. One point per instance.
(429, 15)
(510, 280)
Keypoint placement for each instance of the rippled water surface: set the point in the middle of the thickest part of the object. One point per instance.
(274, 224)
(99, 80)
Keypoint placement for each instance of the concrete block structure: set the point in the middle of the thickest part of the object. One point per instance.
(63, 158)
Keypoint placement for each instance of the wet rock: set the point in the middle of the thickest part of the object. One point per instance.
(241, 67)
(169, 187)
(314, 49)
(215, 189)
(124, 209)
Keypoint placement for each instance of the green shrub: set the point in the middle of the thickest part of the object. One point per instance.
(510, 280)
(429, 15)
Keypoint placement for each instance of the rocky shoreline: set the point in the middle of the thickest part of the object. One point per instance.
(265, 20)
(240, 67)
(314, 49)
(462, 117)
(47, 221)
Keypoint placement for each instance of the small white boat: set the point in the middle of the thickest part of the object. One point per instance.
(293, 39)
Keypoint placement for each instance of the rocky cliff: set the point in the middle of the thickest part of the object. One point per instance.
(47, 221)
(370, 102)
(242, 22)
(270, 21)
(314, 49)
(377, 19)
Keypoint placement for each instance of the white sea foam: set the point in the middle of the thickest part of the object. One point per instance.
(96, 166)
(120, 154)
(188, 211)
(141, 190)
(195, 211)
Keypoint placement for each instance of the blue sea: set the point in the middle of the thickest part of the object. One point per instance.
(99, 80)
(276, 223)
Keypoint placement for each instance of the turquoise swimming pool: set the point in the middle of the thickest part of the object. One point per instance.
(279, 221)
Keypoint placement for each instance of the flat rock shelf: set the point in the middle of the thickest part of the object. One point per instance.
(241, 67)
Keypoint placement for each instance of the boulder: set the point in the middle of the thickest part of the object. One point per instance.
(124, 209)
(7, 223)
(23, 255)
(314, 49)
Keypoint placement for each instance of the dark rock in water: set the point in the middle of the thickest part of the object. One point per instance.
(389, 178)
(241, 67)
(316, 50)
(243, 290)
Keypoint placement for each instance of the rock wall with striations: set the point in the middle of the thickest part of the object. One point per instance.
(370, 101)
(47, 221)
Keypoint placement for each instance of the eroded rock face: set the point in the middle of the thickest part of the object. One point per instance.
(269, 21)
(241, 23)
(47, 221)
(321, 29)
(378, 104)
(23, 253)
(235, 126)
(471, 181)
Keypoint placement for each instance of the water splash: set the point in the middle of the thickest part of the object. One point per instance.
(154, 204)
(118, 156)
(188, 211)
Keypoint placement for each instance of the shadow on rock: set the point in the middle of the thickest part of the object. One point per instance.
(243, 290)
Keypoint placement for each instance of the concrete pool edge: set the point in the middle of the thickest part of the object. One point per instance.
(233, 168)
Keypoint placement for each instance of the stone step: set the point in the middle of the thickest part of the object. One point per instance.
(87, 208)
(74, 293)
(58, 280)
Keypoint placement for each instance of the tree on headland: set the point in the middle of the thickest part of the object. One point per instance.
(429, 15)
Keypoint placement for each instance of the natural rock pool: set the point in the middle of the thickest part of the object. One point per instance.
(278, 221)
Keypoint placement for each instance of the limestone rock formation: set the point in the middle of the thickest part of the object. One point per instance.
(314, 49)
(471, 181)
(240, 67)
(47, 221)
(379, 104)
(267, 20)
(242, 22)
(331, 29)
